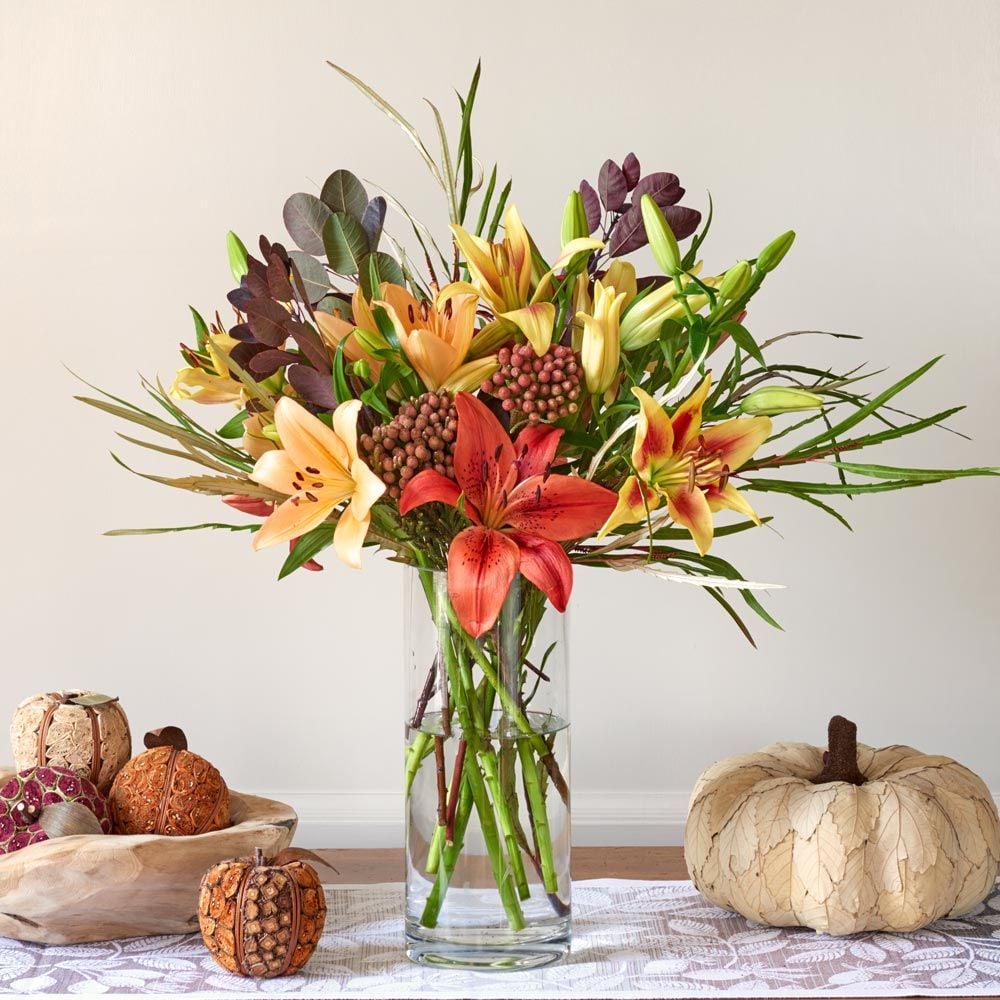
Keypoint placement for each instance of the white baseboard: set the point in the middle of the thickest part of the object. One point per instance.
(628, 818)
(374, 818)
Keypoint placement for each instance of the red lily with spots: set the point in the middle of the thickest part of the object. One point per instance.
(520, 511)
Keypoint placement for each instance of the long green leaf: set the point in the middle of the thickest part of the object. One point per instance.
(449, 170)
(309, 545)
(915, 475)
(855, 418)
(834, 489)
(393, 115)
(465, 144)
(118, 532)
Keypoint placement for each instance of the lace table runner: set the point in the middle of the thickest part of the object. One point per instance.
(631, 939)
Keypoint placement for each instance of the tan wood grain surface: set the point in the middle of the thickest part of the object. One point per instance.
(364, 865)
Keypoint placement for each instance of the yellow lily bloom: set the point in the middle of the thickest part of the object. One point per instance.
(501, 272)
(600, 350)
(212, 381)
(318, 469)
(689, 468)
(435, 337)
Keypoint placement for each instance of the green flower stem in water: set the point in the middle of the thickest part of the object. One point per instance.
(539, 816)
(449, 855)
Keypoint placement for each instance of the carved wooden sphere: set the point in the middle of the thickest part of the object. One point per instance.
(30, 795)
(261, 917)
(82, 730)
(851, 840)
(169, 790)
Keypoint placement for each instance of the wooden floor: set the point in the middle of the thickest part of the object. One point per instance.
(362, 865)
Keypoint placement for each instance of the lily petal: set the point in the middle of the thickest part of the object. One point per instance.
(345, 426)
(482, 270)
(483, 450)
(547, 566)
(730, 498)
(536, 323)
(581, 244)
(294, 517)
(368, 488)
(560, 508)
(736, 440)
(686, 420)
(349, 536)
(275, 470)
(690, 509)
(308, 440)
(635, 498)
(654, 435)
(535, 447)
(471, 375)
(426, 487)
(481, 566)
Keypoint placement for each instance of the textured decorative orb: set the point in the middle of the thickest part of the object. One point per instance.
(846, 841)
(25, 797)
(169, 790)
(260, 917)
(82, 730)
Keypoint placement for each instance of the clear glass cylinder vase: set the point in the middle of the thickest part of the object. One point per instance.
(487, 772)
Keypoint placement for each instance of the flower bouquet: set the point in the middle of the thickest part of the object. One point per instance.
(492, 412)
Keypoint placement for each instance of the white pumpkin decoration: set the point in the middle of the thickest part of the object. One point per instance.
(851, 840)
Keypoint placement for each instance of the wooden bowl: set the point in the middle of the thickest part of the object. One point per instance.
(93, 888)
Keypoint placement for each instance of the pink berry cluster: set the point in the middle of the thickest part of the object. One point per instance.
(542, 388)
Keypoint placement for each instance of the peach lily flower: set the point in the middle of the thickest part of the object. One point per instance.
(520, 513)
(675, 460)
(435, 337)
(318, 469)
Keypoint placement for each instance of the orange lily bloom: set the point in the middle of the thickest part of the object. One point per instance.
(520, 512)
(435, 337)
(675, 460)
(334, 329)
(318, 469)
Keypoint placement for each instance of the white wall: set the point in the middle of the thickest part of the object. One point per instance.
(135, 135)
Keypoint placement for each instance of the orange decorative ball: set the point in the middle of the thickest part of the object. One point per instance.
(261, 917)
(168, 790)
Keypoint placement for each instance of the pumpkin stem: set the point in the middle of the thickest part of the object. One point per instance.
(840, 762)
(258, 857)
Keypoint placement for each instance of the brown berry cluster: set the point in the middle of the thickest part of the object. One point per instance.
(420, 436)
(542, 388)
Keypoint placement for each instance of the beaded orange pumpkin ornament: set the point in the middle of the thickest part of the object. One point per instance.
(169, 790)
(261, 917)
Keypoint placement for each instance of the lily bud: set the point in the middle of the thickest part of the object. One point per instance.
(600, 351)
(574, 220)
(735, 282)
(661, 237)
(774, 400)
(362, 369)
(238, 256)
(772, 255)
(641, 324)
